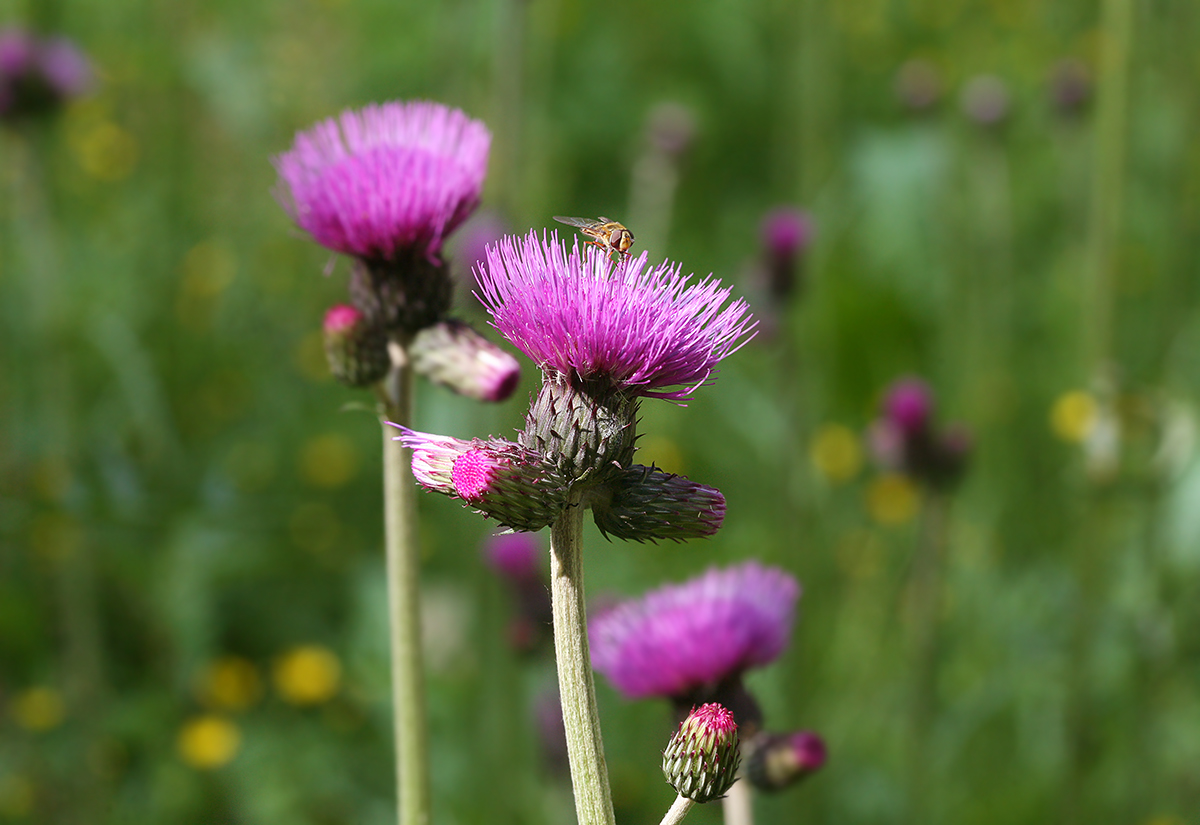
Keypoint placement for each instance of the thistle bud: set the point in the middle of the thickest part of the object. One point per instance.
(499, 479)
(702, 758)
(649, 504)
(404, 295)
(453, 354)
(355, 348)
(776, 760)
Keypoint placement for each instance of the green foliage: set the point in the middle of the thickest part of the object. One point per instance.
(181, 482)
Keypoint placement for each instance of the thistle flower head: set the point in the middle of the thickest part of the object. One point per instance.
(386, 179)
(775, 761)
(37, 75)
(682, 637)
(702, 758)
(909, 405)
(648, 331)
(517, 557)
(786, 232)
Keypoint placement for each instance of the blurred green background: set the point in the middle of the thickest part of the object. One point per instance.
(192, 616)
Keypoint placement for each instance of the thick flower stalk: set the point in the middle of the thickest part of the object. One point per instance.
(385, 185)
(606, 335)
(691, 642)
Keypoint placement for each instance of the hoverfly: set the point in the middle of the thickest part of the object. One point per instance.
(605, 233)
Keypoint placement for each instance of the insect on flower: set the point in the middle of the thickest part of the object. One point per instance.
(605, 233)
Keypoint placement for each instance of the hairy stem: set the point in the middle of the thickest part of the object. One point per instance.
(403, 580)
(678, 811)
(585, 747)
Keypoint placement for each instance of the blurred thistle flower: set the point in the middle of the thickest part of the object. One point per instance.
(520, 559)
(552, 732)
(386, 184)
(453, 354)
(1070, 86)
(469, 247)
(904, 439)
(918, 85)
(38, 76)
(691, 642)
(208, 742)
(671, 128)
(517, 557)
(786, 234)
(702, 758)
(775, 761)
(355, 348)
(985, 99)
(605, 335)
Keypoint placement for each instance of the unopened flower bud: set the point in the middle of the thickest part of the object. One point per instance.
(702, 758)
(355, 348)
(648, 504)
(453, 354)
(776, 760)
(499, 479)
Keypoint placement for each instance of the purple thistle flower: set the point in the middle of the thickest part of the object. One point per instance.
(385, 179)
(909, 405)
(37, 76)
(775, 761)
(649, 331)
(516, 556)
(786, 232)
(67, 71)
(682, 637)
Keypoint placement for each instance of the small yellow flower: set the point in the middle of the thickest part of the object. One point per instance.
(836, 453)
(105, 150)
(328, 460)
(230, 683)
(308, 675)
(39, 709)
(208, 742)
(1074, 416)
(892, 499)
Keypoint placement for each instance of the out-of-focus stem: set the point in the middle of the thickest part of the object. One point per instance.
(925, 594)
(678, 811)
(1108, 172)
(581, 717)
(737, 805)
(404, 614)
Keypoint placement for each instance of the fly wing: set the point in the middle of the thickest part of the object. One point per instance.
(582, 223)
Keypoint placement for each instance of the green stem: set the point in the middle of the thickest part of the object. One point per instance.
(678, 811)
(925, 595)
(581, 718)
(403, 579)
(1108, 171)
